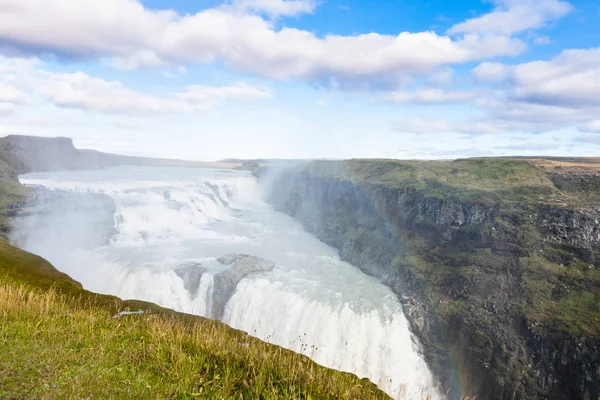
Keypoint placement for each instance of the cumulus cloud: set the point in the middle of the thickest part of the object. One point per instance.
(6, 108)
(513, 16)
(572, 79)
(81, 28)
(84, 92)
(288, 8)
(422, 125)
(142, 59)
(481, 126)
(81, 91)
(10, 94)
(543, 95)
(431, 96)
(209, 96)
(32, 84)
(490, 72)
(592, 126)
(243, 41)
(441, 77)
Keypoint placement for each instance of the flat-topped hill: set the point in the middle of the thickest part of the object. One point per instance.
(39, 154)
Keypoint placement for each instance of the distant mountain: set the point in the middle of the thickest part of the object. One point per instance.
(265, 161)
(37, 154)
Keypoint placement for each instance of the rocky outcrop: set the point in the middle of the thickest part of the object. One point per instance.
(587, 182)
(191, 275)
(225, 282)
(251, 166)
(480, 281)
(577, 228)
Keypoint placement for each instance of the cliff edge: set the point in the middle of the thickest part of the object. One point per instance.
(497, 261)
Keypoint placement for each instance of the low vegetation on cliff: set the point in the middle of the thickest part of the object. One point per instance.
(500, 260)
(562, 283)
(485, 180)
(11, 191)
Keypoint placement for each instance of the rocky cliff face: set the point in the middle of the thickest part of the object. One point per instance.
(504, 298)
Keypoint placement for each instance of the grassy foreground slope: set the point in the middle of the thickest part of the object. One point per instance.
(59, 341)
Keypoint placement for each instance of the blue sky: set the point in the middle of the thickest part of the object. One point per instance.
(211, 79)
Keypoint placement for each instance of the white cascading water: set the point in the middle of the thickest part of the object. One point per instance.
(312, 302)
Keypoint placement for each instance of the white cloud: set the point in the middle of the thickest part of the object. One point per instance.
(81, 91)
(490, 72)
(572, 90)
(542, 40)
(141, 59)
(245, 42)
(82, 28)
(569, 80)
(84, 92)
(592, 126)
(443, 76)
(6, 108)
(10, 94)
(422, 125)
(572, 79)
(206, 97)
(544, 95)
(513, 16)
(274, 8)
(431, 96)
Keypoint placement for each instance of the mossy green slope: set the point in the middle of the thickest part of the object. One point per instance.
(486, 180)
(516, 187)
(11, 191)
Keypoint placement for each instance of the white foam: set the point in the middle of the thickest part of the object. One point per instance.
(375, 345)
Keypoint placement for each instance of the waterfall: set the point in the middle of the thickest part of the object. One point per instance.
(172, 225)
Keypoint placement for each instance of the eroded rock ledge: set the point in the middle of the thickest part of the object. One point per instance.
(225, 282)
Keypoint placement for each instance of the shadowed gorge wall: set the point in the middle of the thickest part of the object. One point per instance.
(499, 274)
